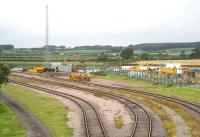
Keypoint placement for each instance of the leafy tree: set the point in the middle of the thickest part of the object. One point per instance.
(164, 46)
(6, 47)
(127, 53)
(182, 55)
(196, 53)
(100, 47)
(51, 47)
(4, 72)
(102, 57)
(61, 47)
(145, 56)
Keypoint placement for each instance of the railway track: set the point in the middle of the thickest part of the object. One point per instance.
(194, 107)
(92, 120)
(143, 121)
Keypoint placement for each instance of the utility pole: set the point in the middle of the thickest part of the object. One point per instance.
(47, 51)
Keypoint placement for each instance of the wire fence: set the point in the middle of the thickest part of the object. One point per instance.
(185, 79)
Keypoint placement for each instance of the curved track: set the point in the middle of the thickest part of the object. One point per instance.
(143, 121)
(194, 107)
(92, 119)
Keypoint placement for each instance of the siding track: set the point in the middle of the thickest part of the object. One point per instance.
(92, 121)
(142, 126)
(192, 106)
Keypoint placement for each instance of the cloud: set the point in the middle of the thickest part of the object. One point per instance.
(88, 22)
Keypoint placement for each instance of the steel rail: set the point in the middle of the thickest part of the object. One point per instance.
(111, 96)
(68, 96)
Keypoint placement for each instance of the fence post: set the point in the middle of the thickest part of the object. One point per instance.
(164, 78)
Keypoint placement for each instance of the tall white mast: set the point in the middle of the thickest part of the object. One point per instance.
(47, 51)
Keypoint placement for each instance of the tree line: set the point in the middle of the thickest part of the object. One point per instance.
(6, 47)
(144, 46)
(128, 54)
(101, 47)
(164, 46)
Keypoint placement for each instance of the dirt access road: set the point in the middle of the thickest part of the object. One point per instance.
(33, 125)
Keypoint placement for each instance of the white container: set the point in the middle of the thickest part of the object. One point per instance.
(126, 67)
(65, 68)
(176, 65)
(53, 65)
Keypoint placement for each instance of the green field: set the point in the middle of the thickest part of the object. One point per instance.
(85, 51)
(49, 110)
(25, 64)
(175, 51)
(10, 126)
(89, 55)
(57, 55)
(186, 93)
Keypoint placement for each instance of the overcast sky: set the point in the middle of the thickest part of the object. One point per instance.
(90, 22)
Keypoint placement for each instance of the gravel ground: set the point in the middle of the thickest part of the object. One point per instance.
(75, 119)
(182, 129)
(157, 124)
(116, 83)
(106, 107)
(112, 83)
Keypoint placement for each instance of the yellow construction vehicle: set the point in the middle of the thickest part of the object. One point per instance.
(79, 77)
(36, 69)
(140, 67)
(136, 68)
(168, 70)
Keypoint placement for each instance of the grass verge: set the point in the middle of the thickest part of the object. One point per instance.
(10, 126)
(187, 93)
(49, 110)
(168, 124)
(118, 120)
(156, 106)
(191, 122)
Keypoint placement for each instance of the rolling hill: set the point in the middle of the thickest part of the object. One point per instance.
(164, 46)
